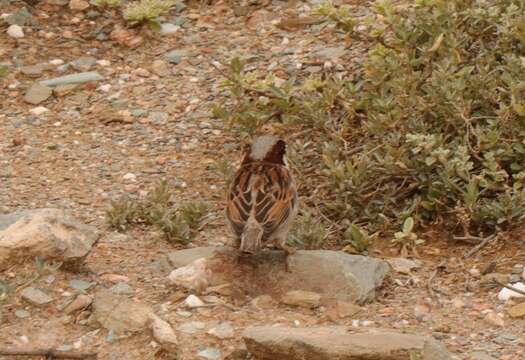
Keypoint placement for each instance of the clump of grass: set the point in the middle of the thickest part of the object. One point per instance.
(308, 232)
(147, 11)
(158, 209)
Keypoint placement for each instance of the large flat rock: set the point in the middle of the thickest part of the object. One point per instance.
(337, 343)
(332, 274)
(48, 233)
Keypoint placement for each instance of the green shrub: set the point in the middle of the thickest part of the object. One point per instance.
(430, 125)
(147, 11)
(177, 223)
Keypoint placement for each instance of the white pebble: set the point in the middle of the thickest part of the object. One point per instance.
(57, 62)
(105, 88)
(130, 177)
(193, 301)
(15, 31)
(506, 294)
(39, 110)
(103, 62)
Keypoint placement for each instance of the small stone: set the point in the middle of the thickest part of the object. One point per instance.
(191, 327)
(494, 319)
(168, 29)
(37, 93)
(80, 285)
(158, 117)
(331, 53)
(81, 302)
(114, 278)
(22, 314)
(175, 56)
(84, 63)
(342, 309)
(160, 68)
(20, 18)
(15, 31)
(32, 70)
(184, 314)
(193, 301)
(514, 278)
(130, 177)
(92, 14)
(38, 110)
(458, 303)
(142, 72)
(163, 333)
(306, 299)
(78, 5)
(517, 310)
(475, 273)
(63, 90)
(210, 353)
(517, 269)
(104, 63)
(122, 288)
(222, 331)
(35, 296)
(78, 78)
(506, 294)
(105, 88)
(57, 62)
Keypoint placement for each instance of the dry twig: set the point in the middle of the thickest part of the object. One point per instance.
(509, 287)
(48, 353)
(478, 247)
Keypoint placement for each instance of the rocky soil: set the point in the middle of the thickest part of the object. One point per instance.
(91, 110)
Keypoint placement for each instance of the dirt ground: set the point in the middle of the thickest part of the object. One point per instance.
(157, 124)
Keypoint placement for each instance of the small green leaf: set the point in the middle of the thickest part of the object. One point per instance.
(408, 225)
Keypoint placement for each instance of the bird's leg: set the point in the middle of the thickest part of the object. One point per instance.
(289, 250)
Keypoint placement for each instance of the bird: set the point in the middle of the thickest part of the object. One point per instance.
(262, 199)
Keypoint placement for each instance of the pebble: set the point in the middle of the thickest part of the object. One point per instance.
(22, 314)
(506, 294)
(104, 63)
(80, 302)
(494, 319)
(57, 62)
(37, 94)
(105, 88)
(39, 110)
(130, 177)
(78, 5)
(306, 299)
(80, 285)
(168, 28)
(163, 333)
(35, 296)
(210, 353)
(77, 78)
(84, 63)
(517, 311)
(160, 68)
(15, 31)
(193, 301)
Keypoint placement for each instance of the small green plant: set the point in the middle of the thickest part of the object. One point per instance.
(121, 213)
(177, 223)
(4, 70)
(225, 169)
(147, 11)
(308, 232)
(357, 239)
(107, 3)
(406, 239)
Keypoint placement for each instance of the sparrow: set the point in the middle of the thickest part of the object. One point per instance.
(262, 199)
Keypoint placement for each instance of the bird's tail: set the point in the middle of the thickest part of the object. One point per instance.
(251, 237)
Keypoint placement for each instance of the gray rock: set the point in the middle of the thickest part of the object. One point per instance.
(80, 285)
(37, 94)
(35, 296)
(331, 53)
(33, 70)
(331, 274)
(209, 353)
(168, 28)
(22, 314)
(158, 117)
(84, 63)
(224, 330)
(336, 342)
(119, 313)
(92, 14)
(175, 56)
(73, 79)
(21, 18)
(122, 288)
(51, 234)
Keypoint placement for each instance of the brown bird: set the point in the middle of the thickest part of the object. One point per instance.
(262, 200)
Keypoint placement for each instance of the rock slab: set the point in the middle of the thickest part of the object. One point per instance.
(51, 234)
(330, 274)
(337, 343)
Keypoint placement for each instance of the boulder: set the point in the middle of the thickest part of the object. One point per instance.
(48, 233)
(119, 313)
(337, 343)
